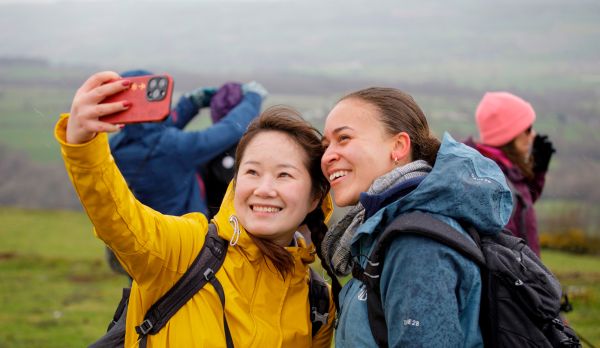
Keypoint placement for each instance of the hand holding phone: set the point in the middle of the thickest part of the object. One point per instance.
(149, 97)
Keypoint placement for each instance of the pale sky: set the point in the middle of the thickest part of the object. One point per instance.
(56, 1)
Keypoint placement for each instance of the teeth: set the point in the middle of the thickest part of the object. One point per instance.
(338, 174)
(263, 209)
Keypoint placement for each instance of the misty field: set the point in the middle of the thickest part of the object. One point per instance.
(57, 291)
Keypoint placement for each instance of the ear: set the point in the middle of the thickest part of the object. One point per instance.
(401, 153)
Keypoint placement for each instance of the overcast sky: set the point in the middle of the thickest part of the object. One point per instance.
(55, 1)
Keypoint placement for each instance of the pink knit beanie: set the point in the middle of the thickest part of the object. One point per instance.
(501, 116)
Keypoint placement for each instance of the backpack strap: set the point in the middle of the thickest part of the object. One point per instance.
(416, 223)
(318, 298)
(120, 308)
(203, 270)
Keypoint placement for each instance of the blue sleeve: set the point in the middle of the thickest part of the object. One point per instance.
(198, 147)
(422, 294)
(183, 112)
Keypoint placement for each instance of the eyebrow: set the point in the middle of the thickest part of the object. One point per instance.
(337, 130)
(284, 165)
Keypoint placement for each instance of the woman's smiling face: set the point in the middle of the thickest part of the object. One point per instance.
(273, 191)
(357, 149)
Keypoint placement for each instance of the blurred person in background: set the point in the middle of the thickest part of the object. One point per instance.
(507, 136)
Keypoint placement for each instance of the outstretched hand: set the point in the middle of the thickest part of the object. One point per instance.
(542, 153)
(87, 108)
(255, 87)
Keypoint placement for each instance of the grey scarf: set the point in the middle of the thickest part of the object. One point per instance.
(336, 244)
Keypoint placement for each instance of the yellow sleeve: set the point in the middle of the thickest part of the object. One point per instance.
(325, 334)
(155, 249)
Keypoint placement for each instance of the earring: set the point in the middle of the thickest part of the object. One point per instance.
(396, 161)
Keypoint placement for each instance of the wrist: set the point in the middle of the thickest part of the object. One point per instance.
(75, 135)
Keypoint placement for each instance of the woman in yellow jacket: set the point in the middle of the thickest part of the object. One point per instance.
(278, 186)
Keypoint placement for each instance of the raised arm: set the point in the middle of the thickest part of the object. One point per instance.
(189, 105)
(198, 147)
(149, 244)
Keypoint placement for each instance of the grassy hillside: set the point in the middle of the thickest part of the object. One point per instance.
(57, 291)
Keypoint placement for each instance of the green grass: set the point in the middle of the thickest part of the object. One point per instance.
(57, 291)
(580, 277)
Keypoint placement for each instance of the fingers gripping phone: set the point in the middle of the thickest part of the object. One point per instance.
(150, 98)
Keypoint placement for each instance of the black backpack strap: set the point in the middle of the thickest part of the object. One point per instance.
(318, 298)
(203, 270)
(120, 308)
(416, 223)
(115, 334)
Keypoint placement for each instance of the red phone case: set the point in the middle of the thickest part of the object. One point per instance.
(150, 100)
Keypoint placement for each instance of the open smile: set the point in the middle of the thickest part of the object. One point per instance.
(269, 209)
(337, 175)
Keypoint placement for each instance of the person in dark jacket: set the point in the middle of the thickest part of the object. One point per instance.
(506, 135)
(159, 160)
(218, 172)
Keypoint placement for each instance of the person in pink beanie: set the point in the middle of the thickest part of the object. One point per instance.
(506, 135)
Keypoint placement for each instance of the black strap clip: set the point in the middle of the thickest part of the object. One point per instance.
(144, 327)
(209, 274)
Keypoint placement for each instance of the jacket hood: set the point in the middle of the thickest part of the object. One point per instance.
(463, 186)
(228, 226)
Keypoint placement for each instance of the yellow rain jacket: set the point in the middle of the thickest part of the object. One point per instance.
(262, 309)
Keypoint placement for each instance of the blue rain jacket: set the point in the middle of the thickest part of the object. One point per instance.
(430, 293)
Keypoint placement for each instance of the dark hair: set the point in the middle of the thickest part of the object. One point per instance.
(525, 164)
(400, 113)
(287, 120)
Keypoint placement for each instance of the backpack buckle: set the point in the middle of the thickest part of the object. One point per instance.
(318, 317)
(558, 324)
(144, 327)
(209, 274)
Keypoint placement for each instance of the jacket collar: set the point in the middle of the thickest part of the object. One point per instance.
(374, 202)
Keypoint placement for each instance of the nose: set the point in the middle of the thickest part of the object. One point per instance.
(329, 156)
(265, 187)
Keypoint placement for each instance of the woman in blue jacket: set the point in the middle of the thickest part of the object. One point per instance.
(382, 161)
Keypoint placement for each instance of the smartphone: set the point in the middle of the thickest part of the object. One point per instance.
(150, 98)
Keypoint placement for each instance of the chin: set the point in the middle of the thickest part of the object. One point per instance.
(342, 201)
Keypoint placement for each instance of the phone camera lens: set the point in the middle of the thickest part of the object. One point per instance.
(162, 83)
(155, 94)
(152, 84)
